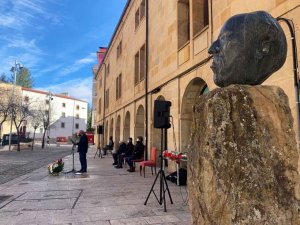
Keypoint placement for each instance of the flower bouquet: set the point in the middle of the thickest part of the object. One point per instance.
(175, 156)
(56, 167)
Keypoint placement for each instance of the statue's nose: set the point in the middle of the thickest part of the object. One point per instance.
(214, 48)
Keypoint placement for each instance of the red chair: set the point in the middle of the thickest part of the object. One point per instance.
(151, 163)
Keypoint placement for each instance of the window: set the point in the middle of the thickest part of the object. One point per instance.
(26, 99)
(136, 67)
(200, 15)
(142, 9)
(140, 65)
(119, 49)
(77, 116)
(119, 86)
(183, 22)
(137, 18)
(107, 70)
(47, 102)
(142, 62)
(99, 107)
(62, 125)
(77, 107)
(76, 125)
(63, 114)
(107, 98)
(140, 14)
(64, 105)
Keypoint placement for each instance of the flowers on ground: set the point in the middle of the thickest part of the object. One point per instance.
(176, 156)
(56, 167)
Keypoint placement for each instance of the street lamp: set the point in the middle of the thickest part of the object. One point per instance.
(49, 98)
(14, 69)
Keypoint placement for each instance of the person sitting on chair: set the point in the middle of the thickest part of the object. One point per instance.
(137, 153)
(121, 150)
(110, 145)
(128, 152)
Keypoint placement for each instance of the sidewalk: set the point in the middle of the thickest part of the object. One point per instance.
(104, 196)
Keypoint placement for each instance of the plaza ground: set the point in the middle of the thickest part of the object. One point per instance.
(105, 196)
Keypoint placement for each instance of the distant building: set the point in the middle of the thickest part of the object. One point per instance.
(67, 115)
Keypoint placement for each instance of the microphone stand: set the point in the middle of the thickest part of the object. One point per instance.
(73, 149)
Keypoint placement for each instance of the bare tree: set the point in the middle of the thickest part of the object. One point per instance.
(46, 114)
(20, 112)
(4, 105)
(36, 121)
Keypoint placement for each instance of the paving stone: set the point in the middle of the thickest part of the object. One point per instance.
(104, 196)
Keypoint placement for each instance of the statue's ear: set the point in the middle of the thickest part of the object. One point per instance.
(264, 49)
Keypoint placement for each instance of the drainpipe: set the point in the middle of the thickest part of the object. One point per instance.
(104, 102)
(290, 24)
(146, 78)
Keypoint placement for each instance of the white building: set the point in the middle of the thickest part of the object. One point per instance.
(67, 115)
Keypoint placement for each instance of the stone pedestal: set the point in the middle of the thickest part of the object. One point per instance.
(242, 166)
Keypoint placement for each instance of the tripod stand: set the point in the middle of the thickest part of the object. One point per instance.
(163, 182)
(98, 151)
(73, 169)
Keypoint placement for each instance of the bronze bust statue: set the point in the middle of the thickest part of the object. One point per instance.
(249, 48)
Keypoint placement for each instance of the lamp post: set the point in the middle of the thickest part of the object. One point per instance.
(49, 98)
(14, 69)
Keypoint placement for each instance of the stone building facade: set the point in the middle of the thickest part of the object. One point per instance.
(177, 34)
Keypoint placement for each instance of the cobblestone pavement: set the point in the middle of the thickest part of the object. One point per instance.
(103, 196)
(14, 164)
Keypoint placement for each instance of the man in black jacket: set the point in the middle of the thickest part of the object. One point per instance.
(121, 150)
(82, 149)
(128, 152)
(137, 153)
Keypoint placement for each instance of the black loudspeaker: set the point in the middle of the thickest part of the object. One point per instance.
(99, 129)
(162, 114)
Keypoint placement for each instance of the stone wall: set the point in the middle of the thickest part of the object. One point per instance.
(242, 165)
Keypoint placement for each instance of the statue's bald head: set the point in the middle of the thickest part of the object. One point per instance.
(250, 47)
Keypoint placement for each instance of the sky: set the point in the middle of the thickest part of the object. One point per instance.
(57, 40)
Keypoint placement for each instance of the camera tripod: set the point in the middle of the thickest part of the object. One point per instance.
(163, 187)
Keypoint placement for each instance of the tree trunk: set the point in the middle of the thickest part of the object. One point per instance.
(33, 139)
(1, 130)
(43, 141)
(18, 133)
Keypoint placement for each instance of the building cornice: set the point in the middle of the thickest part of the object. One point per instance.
(56, 95)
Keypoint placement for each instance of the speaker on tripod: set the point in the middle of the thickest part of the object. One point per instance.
(162, 114)
(161, 121)
(99, 131)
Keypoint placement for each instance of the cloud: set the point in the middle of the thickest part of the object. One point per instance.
(76, 88)
(18, 14)
(26, 45)
(50, 68)
(19, 20)
(78, 64)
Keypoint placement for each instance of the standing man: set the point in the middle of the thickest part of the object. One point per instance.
(82, 149)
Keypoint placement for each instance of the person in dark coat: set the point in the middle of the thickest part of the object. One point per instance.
(121, 150)
(82, 150)
(138, 152)
(110, 145)
(128, 152)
